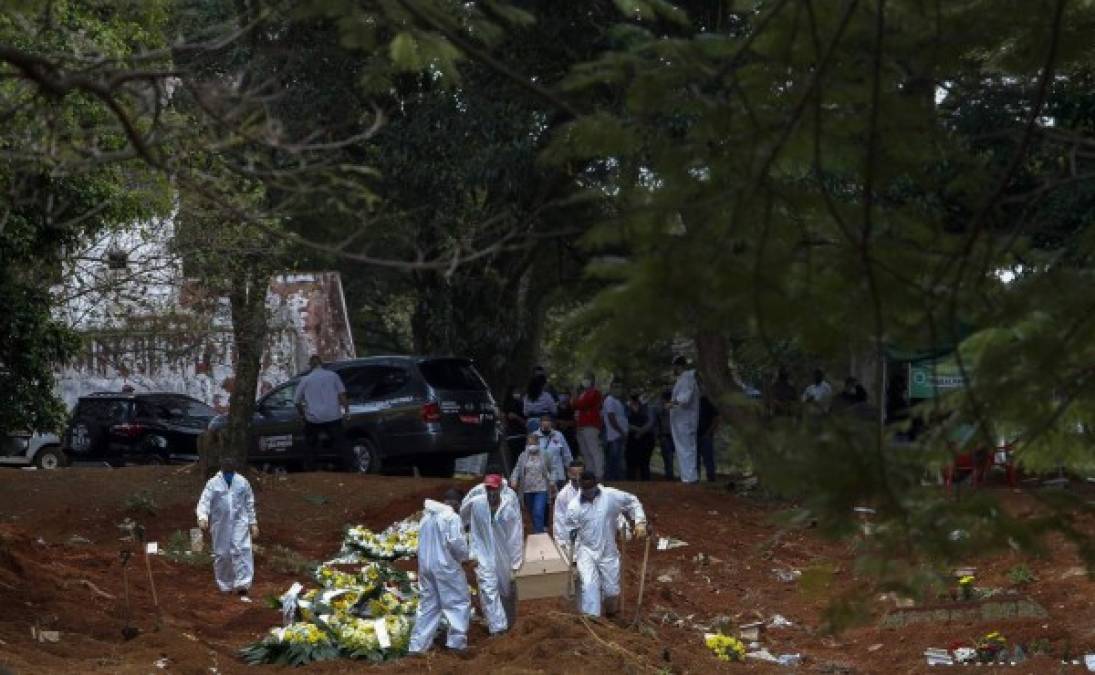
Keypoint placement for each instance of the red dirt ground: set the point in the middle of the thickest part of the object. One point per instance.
(42, 570)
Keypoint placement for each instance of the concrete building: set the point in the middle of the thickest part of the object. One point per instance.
(147, 326)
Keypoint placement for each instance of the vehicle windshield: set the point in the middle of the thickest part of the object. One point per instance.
(452, 375)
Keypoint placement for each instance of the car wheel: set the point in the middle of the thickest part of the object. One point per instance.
(364, 457)
(49, 458)
(155, 460)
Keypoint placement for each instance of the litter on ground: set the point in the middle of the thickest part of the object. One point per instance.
(779, 621)
(668, 543)
(786, 576)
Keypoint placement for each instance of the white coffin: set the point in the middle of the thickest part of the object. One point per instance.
(545, 572)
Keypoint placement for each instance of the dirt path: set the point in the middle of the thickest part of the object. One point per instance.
(59, 529)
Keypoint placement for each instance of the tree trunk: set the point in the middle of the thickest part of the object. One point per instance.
(247, 299)
(713, 364)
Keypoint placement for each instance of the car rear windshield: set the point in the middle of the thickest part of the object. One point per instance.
(452, 375)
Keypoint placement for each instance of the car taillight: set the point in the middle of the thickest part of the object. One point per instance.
(431, 412)
(127, 430)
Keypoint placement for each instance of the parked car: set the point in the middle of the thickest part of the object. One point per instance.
(403, 409)
(24, 448)
(148, 428)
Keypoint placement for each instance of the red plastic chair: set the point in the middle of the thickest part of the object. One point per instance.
(977, 462)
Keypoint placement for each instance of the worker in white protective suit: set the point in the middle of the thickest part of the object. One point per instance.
(594, 518)
(684, 418)
(493, 514)
(443, 586)
(227, 507)
(568, 494)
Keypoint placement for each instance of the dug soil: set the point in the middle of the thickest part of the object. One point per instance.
(61, 570)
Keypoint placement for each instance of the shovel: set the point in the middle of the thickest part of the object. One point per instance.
(129, 631)
(642, 578)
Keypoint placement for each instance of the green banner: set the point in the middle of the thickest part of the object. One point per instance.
(928, 379)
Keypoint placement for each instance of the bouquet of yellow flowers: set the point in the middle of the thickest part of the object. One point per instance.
(725, 647)
(965, 587)
(358, 638)
(991, 645)
(293, 645)
(398, 540)
(366, 613)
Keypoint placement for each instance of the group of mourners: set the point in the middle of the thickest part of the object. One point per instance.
(615, 439)
(587, 516)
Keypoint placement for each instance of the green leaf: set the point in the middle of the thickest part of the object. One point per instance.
(404, 52)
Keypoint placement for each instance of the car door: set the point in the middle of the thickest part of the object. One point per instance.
(278, 431)
(189, 418)
(399, 409)
(161, 418)
(89, 435)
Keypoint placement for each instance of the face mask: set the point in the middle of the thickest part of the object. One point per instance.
(587, 383)
(533, 448)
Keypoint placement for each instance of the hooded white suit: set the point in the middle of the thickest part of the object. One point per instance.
(230, 511)
(684, 419)
(598, 557)
(443, 586)
(559, 529)
(498, 547)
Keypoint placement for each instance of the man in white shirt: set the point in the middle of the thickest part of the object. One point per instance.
(819, 395)
(615, 418)
(684, 418)
(321, 400)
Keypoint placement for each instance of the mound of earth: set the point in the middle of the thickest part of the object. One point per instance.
(60, 570)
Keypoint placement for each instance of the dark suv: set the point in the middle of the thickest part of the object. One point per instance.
(403, 409)
(151, 428)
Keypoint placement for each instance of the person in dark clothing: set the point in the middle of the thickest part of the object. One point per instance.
(847, 397)
(565, 420)
(860, 393)
(705, 435)
(513, 414)
(782, 397)
(664, 432)
(513, 411)
(640, 439)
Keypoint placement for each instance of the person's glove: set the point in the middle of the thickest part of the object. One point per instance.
(203, 524)
(255, 531)
(640, 530)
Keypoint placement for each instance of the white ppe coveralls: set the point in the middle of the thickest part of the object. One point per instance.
(498, 548)
(230, 511)
(443, 586)
(598, 557)
(684, 419)
(559, 528)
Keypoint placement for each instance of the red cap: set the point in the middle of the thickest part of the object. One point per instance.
(492, 480)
